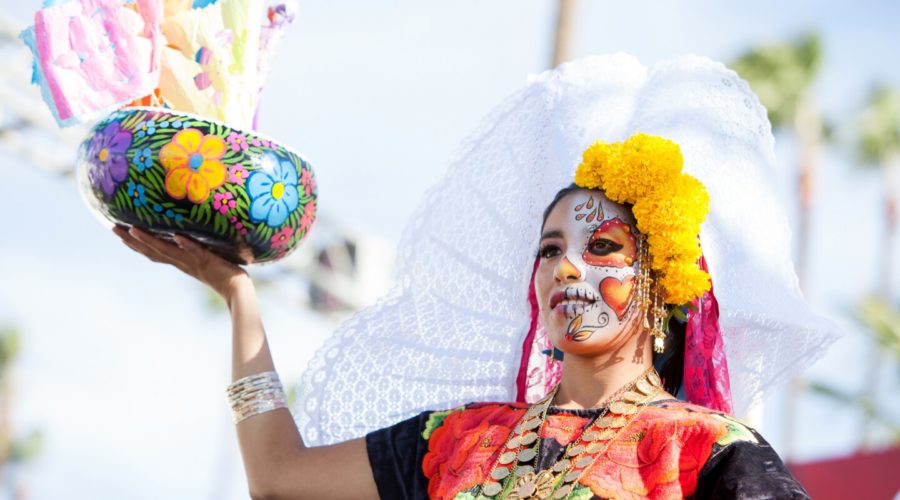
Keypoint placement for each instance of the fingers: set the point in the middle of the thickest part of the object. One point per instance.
(197, 254)
(153, 248)
(157, 244)
(137, 247)
(201, 253)
(187, 255)
(187, 244)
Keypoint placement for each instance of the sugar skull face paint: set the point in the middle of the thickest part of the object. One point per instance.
(586, 279)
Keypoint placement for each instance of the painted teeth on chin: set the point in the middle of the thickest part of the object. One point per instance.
(583, 304)
(575, 293)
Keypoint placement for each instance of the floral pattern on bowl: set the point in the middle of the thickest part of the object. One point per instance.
(248, 198)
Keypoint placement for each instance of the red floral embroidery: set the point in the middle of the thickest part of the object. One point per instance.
(462, 450)
(563, 427)
(657, 456)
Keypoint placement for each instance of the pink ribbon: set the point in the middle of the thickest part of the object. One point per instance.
(706, 381)
(528, 341)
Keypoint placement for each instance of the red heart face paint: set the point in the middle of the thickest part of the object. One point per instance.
(617, 293)
(585, 282)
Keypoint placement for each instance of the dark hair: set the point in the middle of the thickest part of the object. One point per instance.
(560, 195)
(670, 362)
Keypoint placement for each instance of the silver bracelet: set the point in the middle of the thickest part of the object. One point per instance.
(255, 394)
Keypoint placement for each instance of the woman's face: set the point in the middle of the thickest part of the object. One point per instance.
(586, 279)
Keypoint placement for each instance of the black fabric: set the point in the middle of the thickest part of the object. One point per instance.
(747, 471)
(396, 454)
(741, 470)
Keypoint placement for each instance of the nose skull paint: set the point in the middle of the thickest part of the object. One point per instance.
(601, 245)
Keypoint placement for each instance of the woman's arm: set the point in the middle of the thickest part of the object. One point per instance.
(276, 462)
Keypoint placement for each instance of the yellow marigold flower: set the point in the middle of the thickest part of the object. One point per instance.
(669, 205)
(684, 202)
(629, 170)
(667, 247)
(683, 283)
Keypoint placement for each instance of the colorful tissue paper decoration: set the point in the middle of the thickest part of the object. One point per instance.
(209, 58)
(248, 198)
(95, 55)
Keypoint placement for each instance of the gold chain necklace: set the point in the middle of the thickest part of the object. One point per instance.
(511, 478)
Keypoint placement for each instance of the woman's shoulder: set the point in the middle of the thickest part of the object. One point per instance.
(473, 416)
(700, 422)
(677, 408)
(736, 461)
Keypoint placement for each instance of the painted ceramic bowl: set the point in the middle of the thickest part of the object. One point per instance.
(246, 197)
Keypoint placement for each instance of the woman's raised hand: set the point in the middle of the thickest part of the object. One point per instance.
(277, 463)
(188, 256)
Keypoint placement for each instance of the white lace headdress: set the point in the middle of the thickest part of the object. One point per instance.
(451, 330)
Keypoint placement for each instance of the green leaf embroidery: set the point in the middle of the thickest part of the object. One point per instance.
(737, 431)
(435, 420)
(580, 492)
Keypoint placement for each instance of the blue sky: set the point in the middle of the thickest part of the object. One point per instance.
(124, 369)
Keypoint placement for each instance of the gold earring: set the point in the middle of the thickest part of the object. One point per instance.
(659, 322)
(651, 298)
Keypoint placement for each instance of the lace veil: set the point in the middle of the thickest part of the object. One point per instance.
(452, 328)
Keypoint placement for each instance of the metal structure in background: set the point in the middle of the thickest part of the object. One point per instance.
(337, 271)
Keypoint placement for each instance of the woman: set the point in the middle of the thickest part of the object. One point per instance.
(603, 287)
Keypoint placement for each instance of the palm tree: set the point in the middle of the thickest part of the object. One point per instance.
(782, 76)
(878, 144)
(12, 451)
(882, 320)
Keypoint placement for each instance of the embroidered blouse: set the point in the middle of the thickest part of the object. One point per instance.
(671, 450)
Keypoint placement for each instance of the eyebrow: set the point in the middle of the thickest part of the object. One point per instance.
(556, 233)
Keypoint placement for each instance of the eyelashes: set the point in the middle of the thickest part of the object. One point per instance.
(548, 251)
(610, 242)
(603, 246)
(599, 247)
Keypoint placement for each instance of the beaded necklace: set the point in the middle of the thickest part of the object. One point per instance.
(513, 478)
